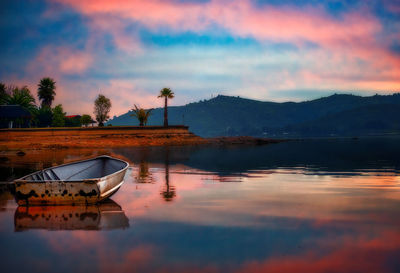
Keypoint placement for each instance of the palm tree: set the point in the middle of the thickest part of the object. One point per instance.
(167, 94)
(23, 97)
(46, 91)
(141, 114)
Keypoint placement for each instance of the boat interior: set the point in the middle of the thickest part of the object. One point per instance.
(89, 169)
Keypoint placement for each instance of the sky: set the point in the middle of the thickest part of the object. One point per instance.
(276, 50)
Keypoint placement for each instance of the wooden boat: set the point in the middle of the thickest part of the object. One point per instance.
(81, 182)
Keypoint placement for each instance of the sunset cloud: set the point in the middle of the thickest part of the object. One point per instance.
(241, 18)
(129, 50)
(61, 59)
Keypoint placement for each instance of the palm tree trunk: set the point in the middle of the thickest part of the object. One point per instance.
(166, 113)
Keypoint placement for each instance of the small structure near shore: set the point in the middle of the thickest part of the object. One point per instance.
(14, 116)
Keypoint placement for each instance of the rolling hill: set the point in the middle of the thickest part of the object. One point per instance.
(336, 115)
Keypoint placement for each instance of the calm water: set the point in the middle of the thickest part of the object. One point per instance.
(312, 206)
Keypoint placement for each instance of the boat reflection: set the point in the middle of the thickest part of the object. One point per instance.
(107, 215)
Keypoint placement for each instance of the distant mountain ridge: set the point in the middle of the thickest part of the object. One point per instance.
(335, 115)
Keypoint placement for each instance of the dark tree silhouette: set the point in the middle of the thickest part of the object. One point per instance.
(141, 114)
(46, 91)
(86, 119)
(166, 93)
(3, 93)
(23, 97)
(58, 116)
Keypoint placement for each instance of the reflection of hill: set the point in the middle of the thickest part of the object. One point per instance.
(314, 155)
(103, 216)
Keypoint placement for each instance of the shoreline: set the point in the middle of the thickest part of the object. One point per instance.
(26, 139)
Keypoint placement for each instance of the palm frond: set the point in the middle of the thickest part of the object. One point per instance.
(141, 114)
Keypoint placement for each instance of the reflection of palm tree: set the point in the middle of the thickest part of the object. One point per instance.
(169, 193)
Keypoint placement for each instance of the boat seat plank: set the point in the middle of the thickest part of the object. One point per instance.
(46, 176)
(37, 177)
(40, 175)
(54, 175)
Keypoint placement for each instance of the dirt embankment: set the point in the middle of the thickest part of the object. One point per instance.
(108, 137)
(45, 138)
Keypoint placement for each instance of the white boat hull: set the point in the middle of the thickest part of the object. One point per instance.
(85, 188)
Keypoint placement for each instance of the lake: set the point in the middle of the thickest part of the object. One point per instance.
(302, 206)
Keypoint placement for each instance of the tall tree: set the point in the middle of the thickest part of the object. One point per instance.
(23, 97)
(102, 106)
(3, 93)
(58, 116)
(46, 91)
(141, 114)
(166, 93)
(44, 116)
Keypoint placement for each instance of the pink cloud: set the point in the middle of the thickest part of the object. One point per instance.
(125, 93)
(393, 6)
(242, 18)
(352, 36)
(114, 25)
(152, 13)
(63, 60)
(342, 44)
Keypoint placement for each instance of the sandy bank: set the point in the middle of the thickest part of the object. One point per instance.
(107, 137)
(96, 137)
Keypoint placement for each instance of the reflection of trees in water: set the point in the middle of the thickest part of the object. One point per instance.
(143, 158)
(143, 174)
(168, 192)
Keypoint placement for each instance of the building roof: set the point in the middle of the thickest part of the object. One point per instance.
(73, 116)
(14, 111)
